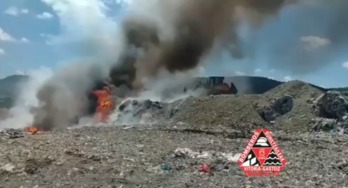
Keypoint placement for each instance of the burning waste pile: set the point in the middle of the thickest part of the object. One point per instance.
(332, 111)
(132, 111)
(144, 111)
(171, 41)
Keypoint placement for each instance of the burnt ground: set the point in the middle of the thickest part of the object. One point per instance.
(214, 130)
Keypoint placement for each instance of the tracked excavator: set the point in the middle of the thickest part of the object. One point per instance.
(217, 86)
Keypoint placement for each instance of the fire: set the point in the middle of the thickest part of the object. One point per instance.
(32, 130)
(105, 105)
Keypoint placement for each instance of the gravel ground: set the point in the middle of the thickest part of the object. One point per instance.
(134, 157)
(203, 130)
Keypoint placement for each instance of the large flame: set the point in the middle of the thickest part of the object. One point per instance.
(105, 105)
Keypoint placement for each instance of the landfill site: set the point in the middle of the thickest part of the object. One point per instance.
(150, 121)
(308, 127)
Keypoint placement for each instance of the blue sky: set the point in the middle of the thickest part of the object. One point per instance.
(49, 33)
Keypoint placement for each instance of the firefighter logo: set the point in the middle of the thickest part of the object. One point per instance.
(262, 156)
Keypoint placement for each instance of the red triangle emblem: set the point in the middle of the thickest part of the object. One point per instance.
(262, 156)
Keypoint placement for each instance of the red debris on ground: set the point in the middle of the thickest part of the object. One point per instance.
(205, 168)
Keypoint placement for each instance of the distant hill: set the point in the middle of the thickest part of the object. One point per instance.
(9, 87)
(10, 84)
(246, 84)
(253, 84)
(342, 89)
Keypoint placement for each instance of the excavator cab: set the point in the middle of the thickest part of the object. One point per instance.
(214, 81)
(217, 86)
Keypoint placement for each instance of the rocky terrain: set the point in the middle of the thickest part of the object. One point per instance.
(154, 144)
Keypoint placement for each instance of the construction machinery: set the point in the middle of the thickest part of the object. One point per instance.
(217, 86)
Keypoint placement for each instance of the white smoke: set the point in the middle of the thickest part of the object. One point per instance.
(20, 115)
(167, 87)
(86, 28)
(96, 38)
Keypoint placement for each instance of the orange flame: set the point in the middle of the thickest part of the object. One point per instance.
(105, 105)
(32, 130)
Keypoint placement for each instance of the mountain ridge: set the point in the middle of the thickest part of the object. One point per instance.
(9, 86)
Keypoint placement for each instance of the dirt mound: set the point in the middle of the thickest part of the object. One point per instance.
(287, 107)
(301, 116)
(230, 111)
(295, 89)
(243, 111)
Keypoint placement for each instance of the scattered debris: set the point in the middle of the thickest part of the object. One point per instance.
(12, 133)
(205, 168)
(324, 124)
(333, 105)
(32, 166)
(283, 105)
(138, 107)
(278, 107)
(8, 167)
(332, 111)
(135, 111)
(267, 113)
(186, 152)
(166, 167)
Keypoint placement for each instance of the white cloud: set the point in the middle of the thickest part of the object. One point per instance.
(20, 72)
(120, 2)
(44, 35)
(45, 16)
(258, 70)
(4, 36)
(25, 40)
(14, 11)
(287, 78)
(24, 11)
(48, 38)
(239, 73)
(314, 42)
(345, 65)
(2, 52)
(86, 23)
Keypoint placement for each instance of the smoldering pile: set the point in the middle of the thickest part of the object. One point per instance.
(174, 41)
(144, 111)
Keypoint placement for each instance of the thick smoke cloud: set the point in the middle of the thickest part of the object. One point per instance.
(192, 28)
(63, 98)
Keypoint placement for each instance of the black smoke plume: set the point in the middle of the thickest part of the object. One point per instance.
(193, 28)
(197, 27)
